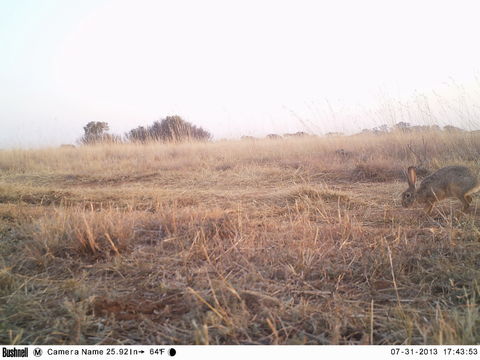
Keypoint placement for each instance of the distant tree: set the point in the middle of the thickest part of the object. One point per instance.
(373, 131)
(381, 129)
(175, 129)
(111, 138)
(171, 129)
(94, 132)
(300, 133)
(402, 126)
(273, 136)
(297, 134)
(155, 132)
(139, 134)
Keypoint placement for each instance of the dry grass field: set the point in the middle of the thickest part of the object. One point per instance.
(239, 242)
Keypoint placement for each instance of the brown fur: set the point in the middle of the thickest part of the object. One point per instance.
(450, 181)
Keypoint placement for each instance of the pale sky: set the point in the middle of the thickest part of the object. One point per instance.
(233, 67)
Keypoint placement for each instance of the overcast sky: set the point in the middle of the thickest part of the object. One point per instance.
(232, 67)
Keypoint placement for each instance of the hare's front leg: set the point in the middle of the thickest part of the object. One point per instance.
(429, 207)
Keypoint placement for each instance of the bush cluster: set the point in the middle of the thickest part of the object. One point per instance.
(170, 129)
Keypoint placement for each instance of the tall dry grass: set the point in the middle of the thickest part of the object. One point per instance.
(114, 159)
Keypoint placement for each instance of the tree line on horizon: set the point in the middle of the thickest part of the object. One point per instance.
(170, 129)
(175, 129)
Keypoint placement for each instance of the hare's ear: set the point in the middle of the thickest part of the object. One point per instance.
(412, 176)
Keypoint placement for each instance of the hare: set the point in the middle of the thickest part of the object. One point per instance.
(450, 181)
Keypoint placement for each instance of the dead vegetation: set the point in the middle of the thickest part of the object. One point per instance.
(265, 242)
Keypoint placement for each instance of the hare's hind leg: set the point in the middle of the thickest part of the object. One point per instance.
(466, 200)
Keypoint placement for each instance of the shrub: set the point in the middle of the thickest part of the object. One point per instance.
(171, 129)
(96, 132)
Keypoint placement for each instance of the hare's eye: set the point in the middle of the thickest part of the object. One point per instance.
(407, 195)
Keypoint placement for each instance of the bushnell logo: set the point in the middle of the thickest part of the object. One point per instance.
(15, 352)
